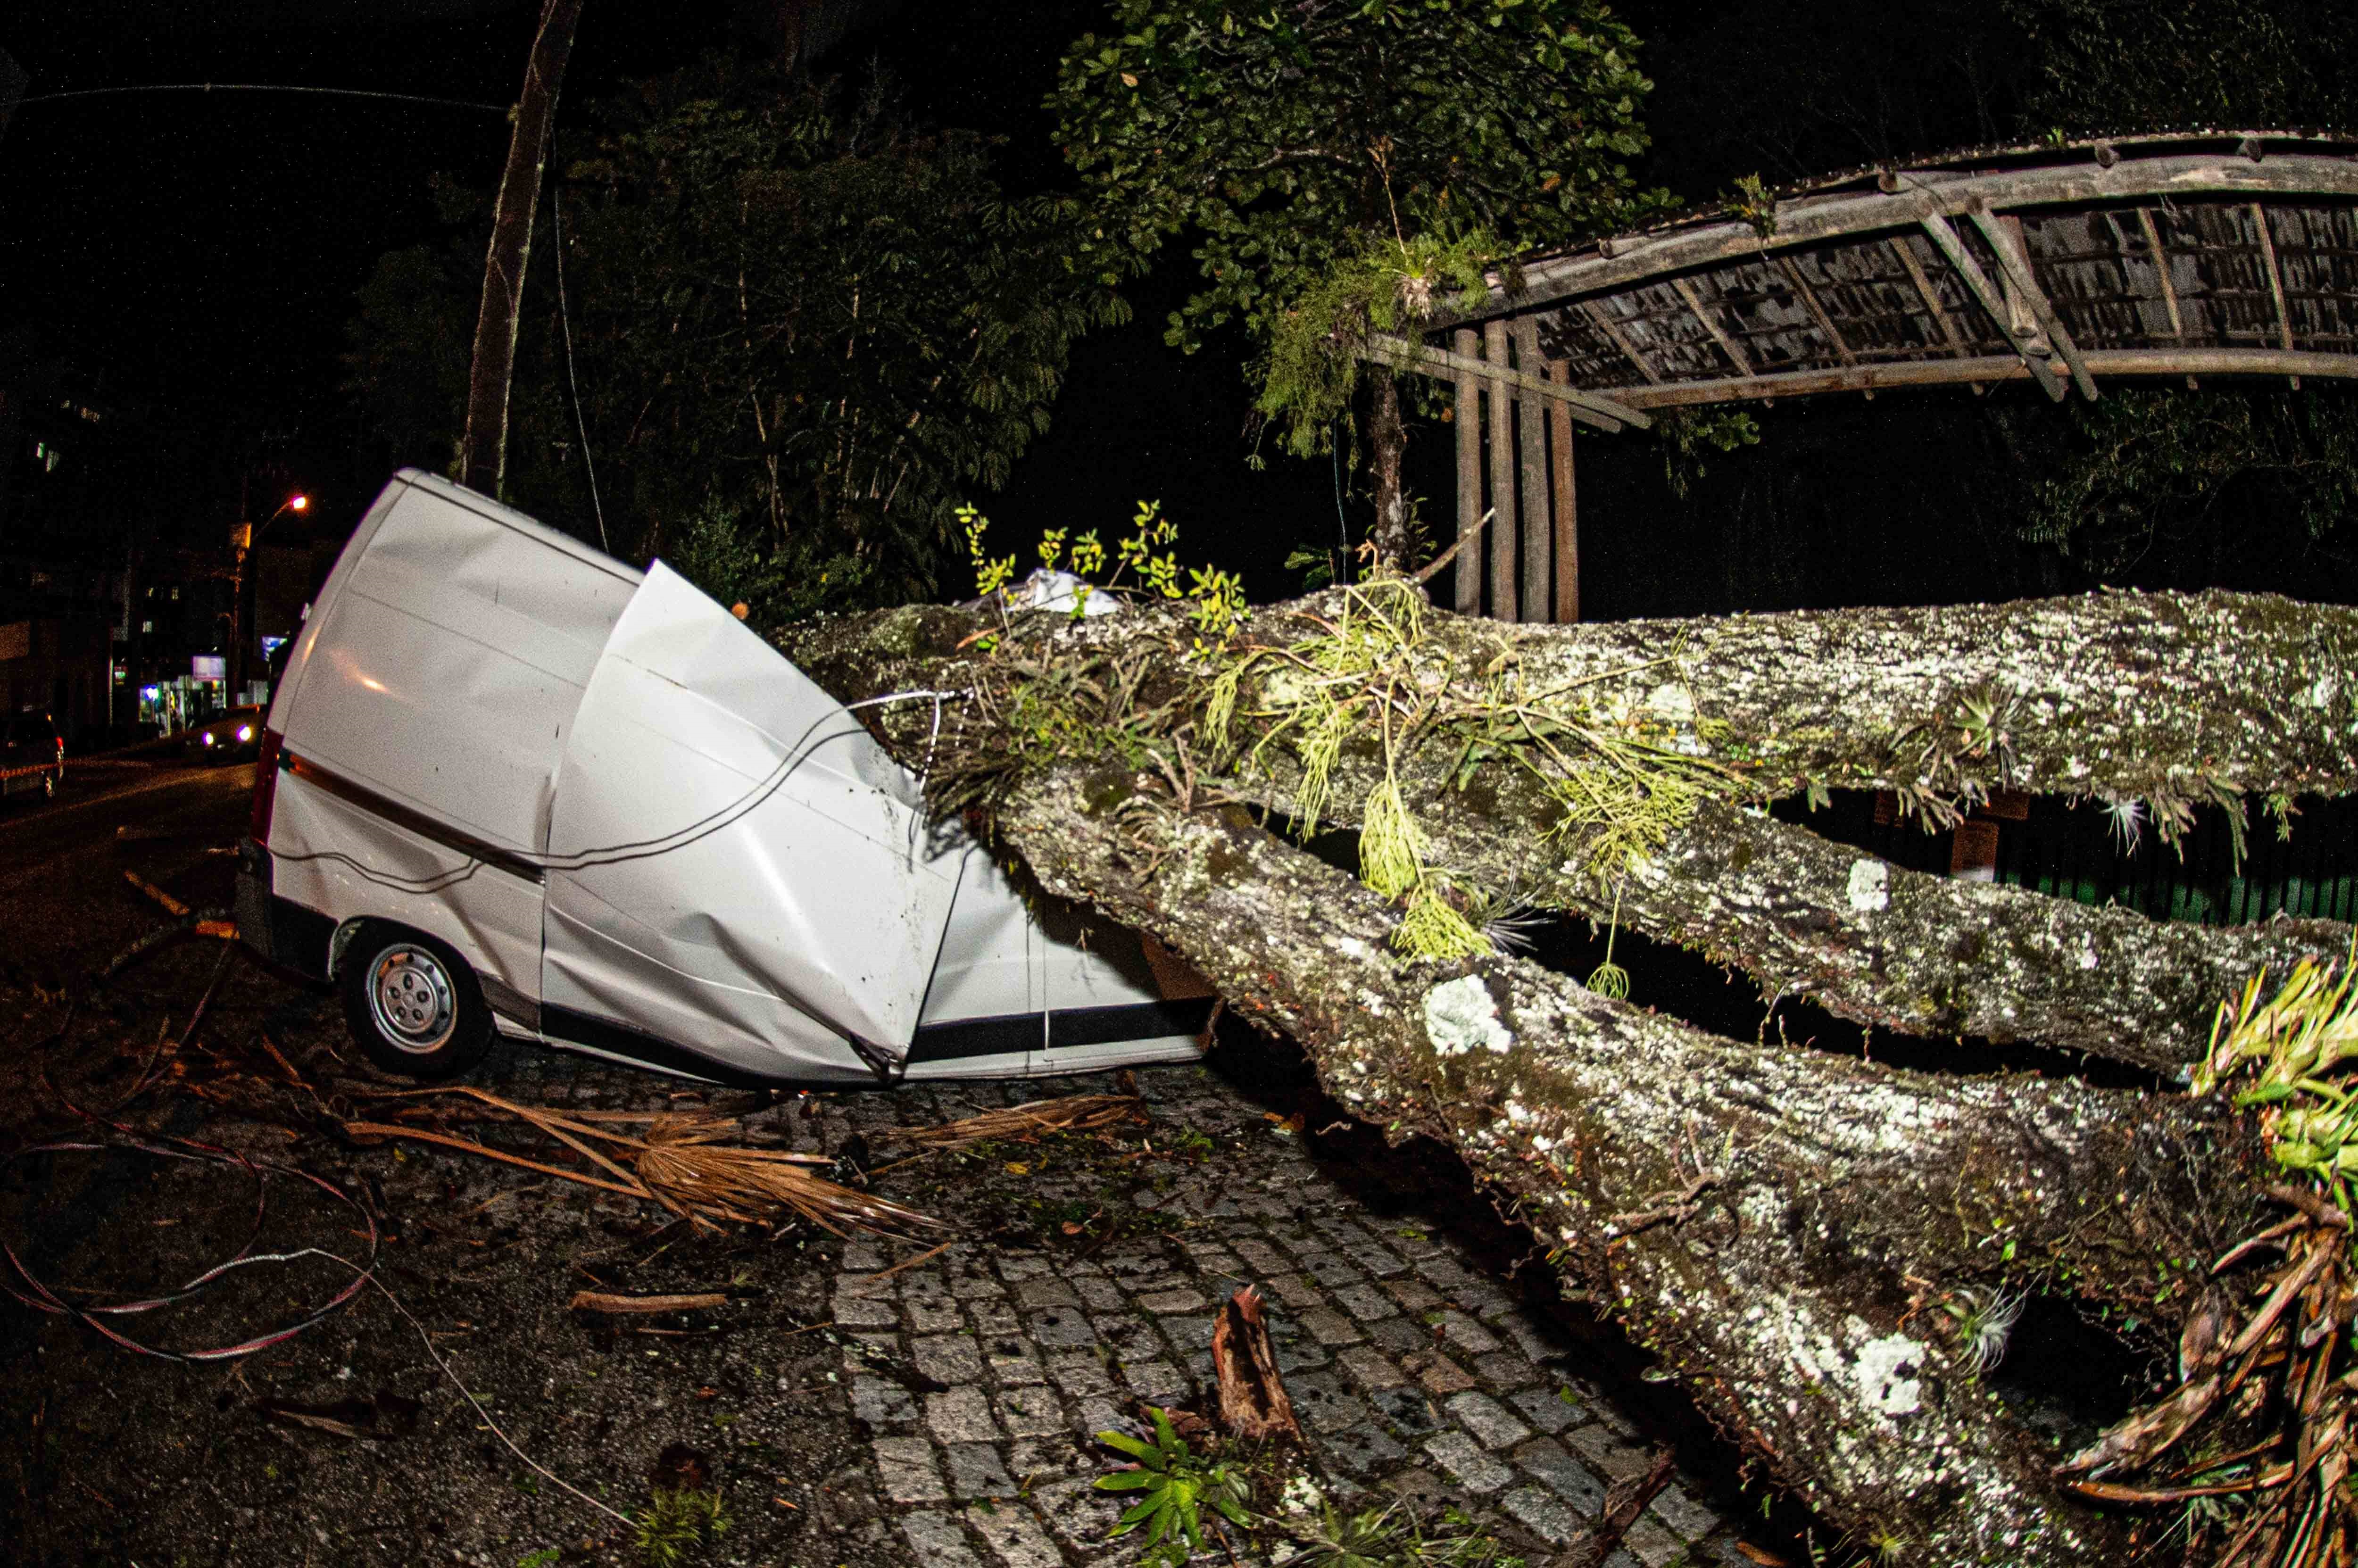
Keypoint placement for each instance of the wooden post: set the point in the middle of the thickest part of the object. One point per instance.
(1538, 536)
(1567, 501)
(1468, 419)
(1501, 541)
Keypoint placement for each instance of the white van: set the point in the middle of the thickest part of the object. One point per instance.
(509, 784)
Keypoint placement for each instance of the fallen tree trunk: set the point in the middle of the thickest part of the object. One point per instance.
(1773, 1222)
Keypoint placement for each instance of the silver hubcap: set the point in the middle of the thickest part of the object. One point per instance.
(409, 991)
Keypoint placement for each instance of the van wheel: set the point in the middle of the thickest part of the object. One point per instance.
(413, 1004)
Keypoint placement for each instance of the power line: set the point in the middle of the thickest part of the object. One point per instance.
(499, 109)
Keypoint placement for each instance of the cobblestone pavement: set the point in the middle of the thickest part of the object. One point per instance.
(979, 1374)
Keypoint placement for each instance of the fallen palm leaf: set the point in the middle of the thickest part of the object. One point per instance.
(1074, 1113)
(679, 1163)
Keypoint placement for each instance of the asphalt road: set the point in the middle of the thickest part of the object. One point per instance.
(99, 800)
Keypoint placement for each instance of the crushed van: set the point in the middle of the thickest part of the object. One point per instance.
(512, 785)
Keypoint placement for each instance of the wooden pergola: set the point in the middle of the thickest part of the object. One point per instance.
(2202, 254)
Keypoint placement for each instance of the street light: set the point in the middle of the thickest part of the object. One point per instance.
(244, 538)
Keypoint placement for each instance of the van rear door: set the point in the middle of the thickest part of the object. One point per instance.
(735, 866)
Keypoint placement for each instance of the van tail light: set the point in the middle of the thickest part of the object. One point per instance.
(266, 785)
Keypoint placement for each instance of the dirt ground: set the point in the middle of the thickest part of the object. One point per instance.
(845, 1411)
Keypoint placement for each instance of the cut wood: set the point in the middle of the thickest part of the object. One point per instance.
(1254, 1405)
(600, 1300)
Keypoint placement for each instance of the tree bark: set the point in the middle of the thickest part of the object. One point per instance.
(1388, 441)
(1776, 1224)
(483, 450)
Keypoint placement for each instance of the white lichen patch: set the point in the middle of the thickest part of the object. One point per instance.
(1460, 1015)
(1870, 886)
(1883, 1369)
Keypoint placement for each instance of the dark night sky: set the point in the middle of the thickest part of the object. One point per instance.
(203, 252)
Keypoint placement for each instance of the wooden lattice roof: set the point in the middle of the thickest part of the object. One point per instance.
(2202, 254)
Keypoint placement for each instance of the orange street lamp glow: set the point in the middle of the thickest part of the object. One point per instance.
(300, 502)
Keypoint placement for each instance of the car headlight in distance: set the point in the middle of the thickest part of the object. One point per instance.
(209, 737)
(245, 731)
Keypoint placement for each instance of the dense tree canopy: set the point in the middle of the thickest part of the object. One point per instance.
(799, 331)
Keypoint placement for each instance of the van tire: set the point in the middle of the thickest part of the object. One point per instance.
(412, 1004)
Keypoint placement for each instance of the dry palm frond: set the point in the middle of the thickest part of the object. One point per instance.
(682, 1163)
(1074, 1113)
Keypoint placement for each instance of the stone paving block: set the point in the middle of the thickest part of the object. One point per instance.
(854, 1307)
(1301, 1355)
(1487, 1420)
(1443, 1375)
(1324, 1403)
(960, 1415)
(905, 1466)
(1031, 1412)
(1675, 1506)
(1363, 1451)
(936, 1538)
(1442, 1272)
(862, 1258)
(1077, 1512)
(1543, 1514)
(1564, 1476)
(1093, 1414)
(991, 1315)
(1132, 1337)
(951, 1358)
(1473, 1469)
(864, 1352)
(932, 1309)
(1400, 1335)
(1033, 1459)
(1331, 1326)
(1504, 1370)
(1651, 1544)
(1413, 1296)
(1188, 1335)
(1296, 1290)
(976, 1286)
(1546, 1408)
(1365, 1303)
(1187, 1299)
(1060, 1326)
(1371, 1368)
(1529, 1336)
(1261, 1256)
(1465, 1334)
(1607, 1452)
(1098, 1293)
(1021, 1369)
(1408, 1409)
(1331, 1270)
(1016, 1267)
(1015, 1537)
(976, 1471)
(1155, 1382)
(1484, 1298)
(1078, 1375)
(1045, 1293)
(881, 1403)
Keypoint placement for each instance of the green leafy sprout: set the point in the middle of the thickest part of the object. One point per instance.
(1177, 1486)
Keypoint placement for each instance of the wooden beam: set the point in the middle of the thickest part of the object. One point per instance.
(1961, 261)
(1932, 298)
(1809, 296)
(1612, 328)
(2276, 277)
(1727, 341)
(1925, 192)
(2015, 261)
(1538, 527)
(1589, 408)
(1502, 476)
(2161, 271)
(1993, 368)
(1567, 502)
(1467, 415)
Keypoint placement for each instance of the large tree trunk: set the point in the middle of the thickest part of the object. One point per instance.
(1772, 1221)
(483, 449)
(1387, 443)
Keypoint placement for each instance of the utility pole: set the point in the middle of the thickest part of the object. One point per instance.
(482, 454)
